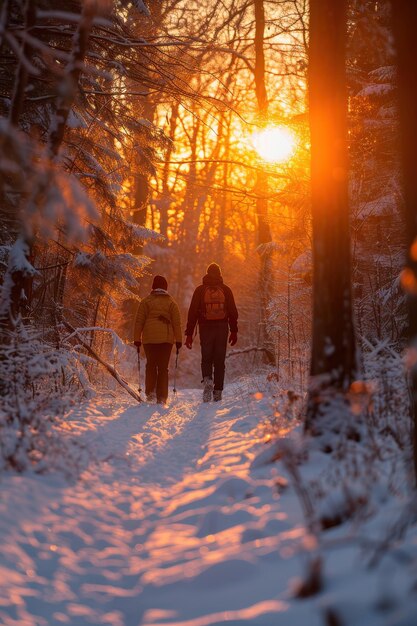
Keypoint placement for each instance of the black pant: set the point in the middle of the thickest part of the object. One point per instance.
(156, 378)
(213, 340)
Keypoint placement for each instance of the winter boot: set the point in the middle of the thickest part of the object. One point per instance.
(208, 389)
(217, 395)
(151, 397)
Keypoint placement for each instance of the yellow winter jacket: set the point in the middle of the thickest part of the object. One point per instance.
(158, 319)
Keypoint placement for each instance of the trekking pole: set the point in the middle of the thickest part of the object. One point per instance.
(139, 387)
(175, 374)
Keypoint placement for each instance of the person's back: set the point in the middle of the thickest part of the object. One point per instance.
(213, 308)
(159, 315)
(158, 327)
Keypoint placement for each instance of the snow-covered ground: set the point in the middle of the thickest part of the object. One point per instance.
(171, 522)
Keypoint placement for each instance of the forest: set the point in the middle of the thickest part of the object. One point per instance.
(142, 144)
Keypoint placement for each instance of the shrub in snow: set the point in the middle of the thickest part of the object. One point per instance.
(357, 473)
(389, 408)
(35, 380)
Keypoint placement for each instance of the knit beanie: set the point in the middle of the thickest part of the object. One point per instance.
(159, 282)
(214, 270)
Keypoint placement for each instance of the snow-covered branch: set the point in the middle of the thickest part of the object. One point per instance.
(109, 368)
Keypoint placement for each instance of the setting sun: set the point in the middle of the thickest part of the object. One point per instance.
(274, 143)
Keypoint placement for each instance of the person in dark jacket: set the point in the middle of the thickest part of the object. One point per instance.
(158, 327)
(213, 308)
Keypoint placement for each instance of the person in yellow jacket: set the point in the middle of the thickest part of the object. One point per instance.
(158, 327)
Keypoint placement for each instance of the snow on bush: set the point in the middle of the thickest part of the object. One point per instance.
(36, 382)
(355, 480)
(370, 444)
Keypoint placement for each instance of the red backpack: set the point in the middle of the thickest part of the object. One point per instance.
(214, 303)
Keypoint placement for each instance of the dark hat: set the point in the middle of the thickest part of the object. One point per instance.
(159, 282)
(214, 270)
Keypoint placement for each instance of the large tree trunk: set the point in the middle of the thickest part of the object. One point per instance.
(264, 232)
(405, 28)
(333, 361)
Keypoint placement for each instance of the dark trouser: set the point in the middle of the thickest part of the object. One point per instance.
(156, 379)
(213, 340)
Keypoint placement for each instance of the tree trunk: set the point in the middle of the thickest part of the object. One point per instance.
(264, 231)
(333, 361)
(166, 194)
(260, 87)
(20, 280)
(22, 72)
(404, 15)
(70, 80)
(224, 208)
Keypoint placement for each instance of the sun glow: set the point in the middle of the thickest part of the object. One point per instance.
(274, 143)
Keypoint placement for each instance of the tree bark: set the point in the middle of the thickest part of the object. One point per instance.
(404, 15)
(264, 230)
(333, 361)
(69, 84)
(260, 86)
(164, 208)
(20, 280)
(22, 73)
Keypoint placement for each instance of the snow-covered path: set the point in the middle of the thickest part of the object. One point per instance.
(167, 522)
(164, 526)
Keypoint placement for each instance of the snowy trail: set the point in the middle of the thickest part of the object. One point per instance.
(166, 524)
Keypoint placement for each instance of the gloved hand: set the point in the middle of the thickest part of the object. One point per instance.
(233, 338)
(189, 341)
(138, 344)
(178, 345)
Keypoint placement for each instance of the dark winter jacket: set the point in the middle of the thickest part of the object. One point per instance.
(195, 312)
